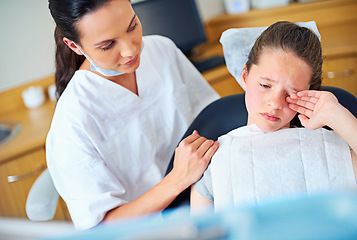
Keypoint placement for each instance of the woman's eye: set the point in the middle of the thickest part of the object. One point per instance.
(133, 27)
(107, 47)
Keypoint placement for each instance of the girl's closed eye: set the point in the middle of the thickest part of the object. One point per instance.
(264, 85)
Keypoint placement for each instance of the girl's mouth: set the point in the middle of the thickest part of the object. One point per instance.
(270, 117)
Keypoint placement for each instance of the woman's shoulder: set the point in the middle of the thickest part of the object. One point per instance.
(80, 96)
(159, 44)
(161, 51)
(158, 40)
(76, 87)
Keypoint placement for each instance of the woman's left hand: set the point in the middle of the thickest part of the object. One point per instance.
(315, 107)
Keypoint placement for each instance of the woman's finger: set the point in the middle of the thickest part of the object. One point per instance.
(203, 148)
(196, 144)
(191, 138)
(211, 150)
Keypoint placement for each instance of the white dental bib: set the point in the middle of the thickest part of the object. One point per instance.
(252, 166)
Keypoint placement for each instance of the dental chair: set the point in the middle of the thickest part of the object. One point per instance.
(229, 113)
(42, 199)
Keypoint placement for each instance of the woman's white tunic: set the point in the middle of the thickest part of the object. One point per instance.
(107, 146)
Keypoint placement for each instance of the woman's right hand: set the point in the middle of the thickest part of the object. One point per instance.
(191, 158)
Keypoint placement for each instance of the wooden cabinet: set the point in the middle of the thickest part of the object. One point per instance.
(336, 21)
(16, 178)
(222, 81)
(23, 158)
(341, 72)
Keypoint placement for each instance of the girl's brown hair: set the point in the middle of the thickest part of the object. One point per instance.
(291, 37)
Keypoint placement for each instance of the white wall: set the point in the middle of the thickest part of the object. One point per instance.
(26, 42)
(27, 46)
(210, 8)
(207, 8)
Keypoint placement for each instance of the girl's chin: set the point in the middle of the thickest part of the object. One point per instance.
(270, 128)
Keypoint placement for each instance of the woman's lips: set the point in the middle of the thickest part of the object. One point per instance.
(132, 61)
(270, 117)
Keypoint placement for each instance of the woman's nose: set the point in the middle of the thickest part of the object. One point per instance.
(127, 49)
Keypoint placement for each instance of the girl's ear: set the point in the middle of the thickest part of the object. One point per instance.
(72, 46)
(243, 77)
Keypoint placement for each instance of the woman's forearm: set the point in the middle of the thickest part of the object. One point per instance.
(154, 200)
(191, 159)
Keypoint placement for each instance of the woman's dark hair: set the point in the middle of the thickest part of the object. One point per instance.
(290, 37)
(66, 13)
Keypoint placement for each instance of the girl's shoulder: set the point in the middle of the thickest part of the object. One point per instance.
(244, 131)
(252, 131)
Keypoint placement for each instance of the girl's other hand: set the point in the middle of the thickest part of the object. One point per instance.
(192, 157)
(315, 107)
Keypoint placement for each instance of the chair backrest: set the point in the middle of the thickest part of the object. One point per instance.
(228, 113)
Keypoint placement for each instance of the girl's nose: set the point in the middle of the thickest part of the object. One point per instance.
(277, 101)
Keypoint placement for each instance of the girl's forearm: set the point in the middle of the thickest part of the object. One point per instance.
(345, 124)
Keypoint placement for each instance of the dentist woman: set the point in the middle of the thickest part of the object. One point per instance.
(124, 103)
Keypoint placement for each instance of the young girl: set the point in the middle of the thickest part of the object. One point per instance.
(267, 159)
(125, 102)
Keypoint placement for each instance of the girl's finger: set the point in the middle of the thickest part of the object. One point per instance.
(306, 104)
(309, 93)
(303, 119)
(301, 109)
(308, 99)
(302, 103)
(293, 106)
(294, 97)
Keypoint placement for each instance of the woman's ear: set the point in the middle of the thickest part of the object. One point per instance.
(243, 77)
(72, 46)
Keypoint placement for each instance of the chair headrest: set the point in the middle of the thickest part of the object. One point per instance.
(237, 43)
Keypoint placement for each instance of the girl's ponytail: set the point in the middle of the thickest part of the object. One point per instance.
(67, 62)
